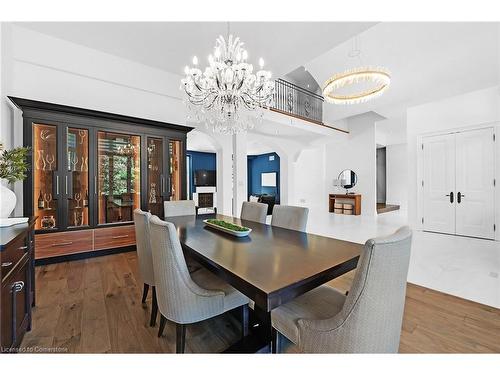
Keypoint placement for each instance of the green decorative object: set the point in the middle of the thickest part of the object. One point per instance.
(227, 225)
(230, 228)
(13, 167)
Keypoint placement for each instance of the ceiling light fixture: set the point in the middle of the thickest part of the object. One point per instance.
(227, 94)
(340, 88)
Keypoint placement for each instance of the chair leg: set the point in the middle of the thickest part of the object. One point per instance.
(244, 319)
(275, 341)
(180, 333)
(154, 309)
(145, 293)
(163, 321)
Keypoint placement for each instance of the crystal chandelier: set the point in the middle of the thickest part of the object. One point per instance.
(377, 80)
(228, 97)
(356, 85)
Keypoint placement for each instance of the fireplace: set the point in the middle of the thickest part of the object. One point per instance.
(205, 200)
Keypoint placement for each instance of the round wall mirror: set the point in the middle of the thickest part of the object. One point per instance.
(348, 179)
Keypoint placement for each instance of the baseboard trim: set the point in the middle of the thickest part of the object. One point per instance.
(85, 255)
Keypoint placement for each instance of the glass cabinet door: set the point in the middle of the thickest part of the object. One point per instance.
(76, 181)
(175, 154)
(46, 180)
(155, 177)
(119, 179)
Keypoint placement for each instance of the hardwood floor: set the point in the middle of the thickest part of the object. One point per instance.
(94, 306)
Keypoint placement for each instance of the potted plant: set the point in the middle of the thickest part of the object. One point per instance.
(13, 167)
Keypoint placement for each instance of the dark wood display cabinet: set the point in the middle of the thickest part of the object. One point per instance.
(90, 170)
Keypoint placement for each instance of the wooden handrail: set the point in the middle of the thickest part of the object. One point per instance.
(320, 123)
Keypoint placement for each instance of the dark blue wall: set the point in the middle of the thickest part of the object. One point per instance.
(258, 164)
(200, 160)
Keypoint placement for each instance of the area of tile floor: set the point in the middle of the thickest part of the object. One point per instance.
(460, 266)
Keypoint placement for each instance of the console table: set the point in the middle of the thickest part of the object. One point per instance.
(349, 204)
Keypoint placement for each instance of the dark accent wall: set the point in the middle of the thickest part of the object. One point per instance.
(258, 164)
(200, 160)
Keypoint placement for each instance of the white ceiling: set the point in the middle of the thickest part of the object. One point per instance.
(427, 61)
(171, 45)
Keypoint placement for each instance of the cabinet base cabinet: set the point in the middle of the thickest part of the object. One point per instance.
(58, 244)
(17, 287)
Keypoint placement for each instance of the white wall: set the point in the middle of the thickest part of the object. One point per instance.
(462, 111)
(391, 131)
(5, 117)
(309, 180)
(358, 153)
(397, 176)
(54, 70)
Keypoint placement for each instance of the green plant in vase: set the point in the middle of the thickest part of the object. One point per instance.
(13, 167)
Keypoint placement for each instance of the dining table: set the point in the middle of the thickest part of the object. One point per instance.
(271, 266)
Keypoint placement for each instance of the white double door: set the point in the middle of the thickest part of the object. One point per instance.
(458, 183)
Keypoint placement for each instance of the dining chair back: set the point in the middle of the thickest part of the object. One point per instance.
(290, 217)
(254, 211)
(185, 298)
(371, 317)
(179, 208)
(143, 246)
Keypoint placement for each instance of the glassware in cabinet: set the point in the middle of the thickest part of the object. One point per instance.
(77, 178)
(46, 180)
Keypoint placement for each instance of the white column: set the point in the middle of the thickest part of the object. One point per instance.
(240, 177)
(225, 176)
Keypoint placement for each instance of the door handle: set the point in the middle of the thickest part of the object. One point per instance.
(6, 264)
(62, 243)
(17, 286)
(451, 196)
(66, 184)
(57, 184)
(459, 197)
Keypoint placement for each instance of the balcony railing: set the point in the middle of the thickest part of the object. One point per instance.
(297, 101)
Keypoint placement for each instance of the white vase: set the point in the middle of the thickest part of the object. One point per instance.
(7, 201)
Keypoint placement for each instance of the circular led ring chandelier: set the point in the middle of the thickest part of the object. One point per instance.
(380, 78)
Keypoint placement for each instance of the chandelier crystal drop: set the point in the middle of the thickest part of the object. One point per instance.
(228, 97)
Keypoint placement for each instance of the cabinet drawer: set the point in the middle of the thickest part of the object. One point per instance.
(63, 243)
(109, 238)
(12, 254)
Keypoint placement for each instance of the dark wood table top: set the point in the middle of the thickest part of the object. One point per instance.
(272, 265)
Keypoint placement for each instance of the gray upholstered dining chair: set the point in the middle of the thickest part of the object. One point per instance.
(254, 211)
(368, 320)
(143, 245)
(179, 208)
(185, 298)
(182, 208)
(290, 217)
